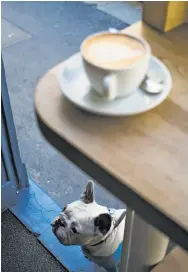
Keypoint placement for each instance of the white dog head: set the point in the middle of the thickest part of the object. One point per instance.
(83, 222)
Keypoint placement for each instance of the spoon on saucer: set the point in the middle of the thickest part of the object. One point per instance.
(151, 86)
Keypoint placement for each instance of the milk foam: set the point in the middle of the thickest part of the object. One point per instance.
(113, 51)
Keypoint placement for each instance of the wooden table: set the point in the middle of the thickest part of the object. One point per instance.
(143, 160)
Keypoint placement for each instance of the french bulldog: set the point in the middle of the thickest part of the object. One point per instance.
(98, 230)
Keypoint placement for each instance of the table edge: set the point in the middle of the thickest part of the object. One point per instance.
(146, 210)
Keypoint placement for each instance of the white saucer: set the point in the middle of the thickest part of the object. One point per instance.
(77, 89)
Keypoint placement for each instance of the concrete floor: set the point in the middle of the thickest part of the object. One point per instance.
(35, 37)
(127, 11)
(21, 251)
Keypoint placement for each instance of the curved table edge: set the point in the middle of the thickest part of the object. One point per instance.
(147, 211)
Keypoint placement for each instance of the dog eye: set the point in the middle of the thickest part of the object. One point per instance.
(74, 230)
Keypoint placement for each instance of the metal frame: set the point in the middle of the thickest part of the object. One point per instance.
(126, 249)
(143, 245)
(8, 178)
(13, 173)
(19, 167)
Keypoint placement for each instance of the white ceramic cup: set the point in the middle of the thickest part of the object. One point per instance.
(112, 83)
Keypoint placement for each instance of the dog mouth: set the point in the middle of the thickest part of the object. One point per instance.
(61, 239)
(54, 229)
(63, 242)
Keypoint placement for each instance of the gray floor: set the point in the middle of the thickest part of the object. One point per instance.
(36, 36)
(21, 251)
(127, 11)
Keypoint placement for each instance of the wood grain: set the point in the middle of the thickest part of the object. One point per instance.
(175, 261)
(147, 154)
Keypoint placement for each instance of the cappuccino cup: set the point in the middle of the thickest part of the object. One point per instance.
(115, 63)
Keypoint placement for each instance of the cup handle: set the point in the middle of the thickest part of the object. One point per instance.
(110, 86)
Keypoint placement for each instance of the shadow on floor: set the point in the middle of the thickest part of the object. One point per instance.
(21, 251)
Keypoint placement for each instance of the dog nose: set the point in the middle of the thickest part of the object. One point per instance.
(56, 223)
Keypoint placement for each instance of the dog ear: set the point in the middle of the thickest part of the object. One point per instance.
(103, 222)
(88, 194)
